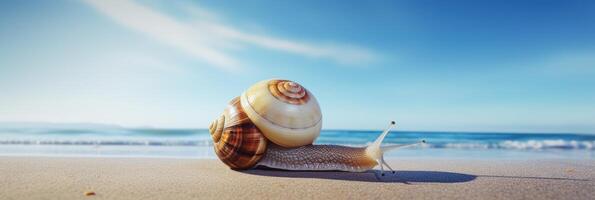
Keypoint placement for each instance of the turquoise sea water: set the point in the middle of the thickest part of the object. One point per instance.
(196, 143)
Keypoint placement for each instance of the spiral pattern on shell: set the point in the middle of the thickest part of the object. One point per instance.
(288, 91)
(237, 141)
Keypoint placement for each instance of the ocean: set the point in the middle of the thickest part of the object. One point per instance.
(114, 141)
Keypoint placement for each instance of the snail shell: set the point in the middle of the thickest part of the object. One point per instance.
(238, 142)
(285, 112)
(277, 110)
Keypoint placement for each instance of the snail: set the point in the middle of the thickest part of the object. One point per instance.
(274, 123)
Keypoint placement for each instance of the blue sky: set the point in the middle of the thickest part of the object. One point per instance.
(521, 66)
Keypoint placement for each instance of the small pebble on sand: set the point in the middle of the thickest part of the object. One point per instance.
(89, 193)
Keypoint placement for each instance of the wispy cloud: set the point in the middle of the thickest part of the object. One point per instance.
(210, 40)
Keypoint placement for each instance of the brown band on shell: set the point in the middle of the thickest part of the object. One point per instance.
(236, 113)
(241, 144)
(289, 92)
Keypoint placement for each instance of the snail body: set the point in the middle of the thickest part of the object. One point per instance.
(274, 124)
(318, 158)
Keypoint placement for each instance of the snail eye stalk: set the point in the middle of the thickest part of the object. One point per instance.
(376, 150)
(383, 135)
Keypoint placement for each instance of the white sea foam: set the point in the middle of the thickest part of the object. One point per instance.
(547, 144)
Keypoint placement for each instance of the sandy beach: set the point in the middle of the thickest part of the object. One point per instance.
(156, 178)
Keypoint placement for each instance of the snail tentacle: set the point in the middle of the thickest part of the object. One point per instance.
(386, 164)
(376, 150)
(398, 146)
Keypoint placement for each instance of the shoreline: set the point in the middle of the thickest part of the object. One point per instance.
(167, 178)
